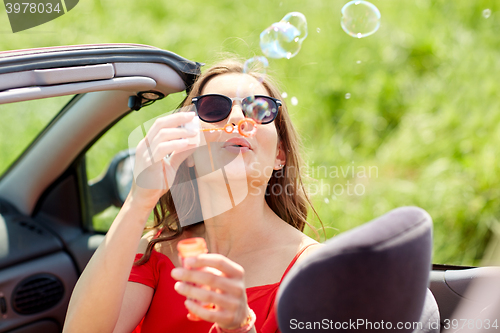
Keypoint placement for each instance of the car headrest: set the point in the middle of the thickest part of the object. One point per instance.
(376, 273)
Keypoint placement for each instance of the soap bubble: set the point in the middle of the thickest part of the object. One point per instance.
(318, 30)
(257, 65)
(280, 40)
(360, 18)
(486, 13)
(283, 39)
(284, 94)
(347, 96)
(294, 100)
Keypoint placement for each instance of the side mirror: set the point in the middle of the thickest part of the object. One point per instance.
(114, 186)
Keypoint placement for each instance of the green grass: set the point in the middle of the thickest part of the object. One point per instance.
(21, 123)
(423, 108)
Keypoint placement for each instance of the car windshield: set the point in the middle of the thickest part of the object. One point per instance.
(20, 124)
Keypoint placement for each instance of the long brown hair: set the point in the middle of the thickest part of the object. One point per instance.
(290, 204)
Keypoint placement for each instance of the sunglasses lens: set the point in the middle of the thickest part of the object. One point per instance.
(212, 109)
(261, 109)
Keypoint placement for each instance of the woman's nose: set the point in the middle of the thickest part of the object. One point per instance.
(236, 113)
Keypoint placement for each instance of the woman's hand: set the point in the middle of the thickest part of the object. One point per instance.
(153, 173)
(226, 290)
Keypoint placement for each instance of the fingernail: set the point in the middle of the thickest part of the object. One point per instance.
(189, 261)
(177, 286)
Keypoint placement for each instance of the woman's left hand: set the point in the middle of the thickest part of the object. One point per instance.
(226, 290)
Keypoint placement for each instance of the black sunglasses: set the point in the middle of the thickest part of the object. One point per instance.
(213, 108)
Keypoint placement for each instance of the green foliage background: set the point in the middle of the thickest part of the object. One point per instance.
(423, 109)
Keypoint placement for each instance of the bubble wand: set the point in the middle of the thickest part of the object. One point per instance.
(246, 127)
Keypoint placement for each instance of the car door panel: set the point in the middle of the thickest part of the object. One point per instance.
(58, 266)
(21, 239)
(450, 287)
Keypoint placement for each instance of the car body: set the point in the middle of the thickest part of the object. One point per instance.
(47, 201)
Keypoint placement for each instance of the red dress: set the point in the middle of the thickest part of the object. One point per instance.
(167, 312)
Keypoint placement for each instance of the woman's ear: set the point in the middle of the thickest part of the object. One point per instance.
(280, 160)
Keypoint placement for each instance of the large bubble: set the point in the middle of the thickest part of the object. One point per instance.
(280, 40)
(360, 18)
(283, 39)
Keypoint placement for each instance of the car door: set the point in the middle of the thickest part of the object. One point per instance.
(47, 234)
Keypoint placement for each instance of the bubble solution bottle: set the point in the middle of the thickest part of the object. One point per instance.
(192, 247)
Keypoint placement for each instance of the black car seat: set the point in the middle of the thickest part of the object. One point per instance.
(365, 279)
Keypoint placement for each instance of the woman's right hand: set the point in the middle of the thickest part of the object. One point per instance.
(154, 172)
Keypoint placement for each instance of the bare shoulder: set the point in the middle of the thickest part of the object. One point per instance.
(312, 247)
(143, 244)
(294, 240)
(310, 251)
(167, 247)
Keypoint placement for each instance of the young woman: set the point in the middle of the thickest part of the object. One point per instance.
(252, 220)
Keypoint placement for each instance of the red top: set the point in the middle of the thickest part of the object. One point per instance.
(167, 312)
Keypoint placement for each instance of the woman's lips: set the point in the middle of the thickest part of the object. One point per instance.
(237, 145)
(236, 149)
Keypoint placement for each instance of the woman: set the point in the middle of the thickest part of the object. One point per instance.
(252, 243)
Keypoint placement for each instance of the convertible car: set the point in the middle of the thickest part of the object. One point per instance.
(57, 106)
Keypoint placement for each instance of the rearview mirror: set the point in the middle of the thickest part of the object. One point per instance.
(114, 186)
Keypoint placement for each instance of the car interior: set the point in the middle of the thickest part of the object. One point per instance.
(47, 202)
